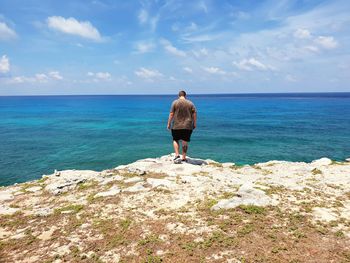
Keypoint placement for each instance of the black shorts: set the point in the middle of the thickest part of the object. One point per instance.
(183, 134)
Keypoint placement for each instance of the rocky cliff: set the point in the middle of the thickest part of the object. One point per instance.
(154, 210)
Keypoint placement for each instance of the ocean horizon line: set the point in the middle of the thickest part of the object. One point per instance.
(191, 94)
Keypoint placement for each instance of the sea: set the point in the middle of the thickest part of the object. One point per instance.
(39, 134)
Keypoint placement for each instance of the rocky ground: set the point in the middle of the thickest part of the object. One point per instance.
(202, 211)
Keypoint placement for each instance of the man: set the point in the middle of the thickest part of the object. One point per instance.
(183, 117)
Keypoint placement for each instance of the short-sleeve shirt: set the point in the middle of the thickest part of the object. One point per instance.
(183, 110)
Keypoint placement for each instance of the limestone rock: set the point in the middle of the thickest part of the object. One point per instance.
(6, 210)
(6, 195)
(68, 180)
(112, 191)
(34, 189)
(138, 187)
(160, 182)
(133, 180)
(43, 211)
(322, 162)
(246, 195)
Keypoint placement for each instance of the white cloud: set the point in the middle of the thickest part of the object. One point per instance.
(171, 49)
(302, 33)
(326, 42)
(55, 75)
(103, 75)
(214, 70)
(148, 74)
(36, 78)
(154, 22)
(144, 19)
(144, 47)
(143, 16)
(291, 78)
(240, 15)
(100, 76)
(202, 6)
(72, 26)
(251, 64)
(6, 33)
(200, 52)
(200, 38)
(4, 64)
(187, 69)
(41, 77)
(311, 48)
(192, 27)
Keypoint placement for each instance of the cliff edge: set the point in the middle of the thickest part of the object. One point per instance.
(153, 210)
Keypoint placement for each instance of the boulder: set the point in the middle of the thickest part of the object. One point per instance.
(322, 162)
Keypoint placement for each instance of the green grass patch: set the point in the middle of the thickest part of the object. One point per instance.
(125, 224)
(74, 208)
(149, 239)
(253, 209)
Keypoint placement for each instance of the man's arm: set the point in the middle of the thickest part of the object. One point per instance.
(194, 120)
(171, 116)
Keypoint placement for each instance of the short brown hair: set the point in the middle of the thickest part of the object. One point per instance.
(182, 93)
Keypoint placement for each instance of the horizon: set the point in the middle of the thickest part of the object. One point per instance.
(115, 47)
(188, 95)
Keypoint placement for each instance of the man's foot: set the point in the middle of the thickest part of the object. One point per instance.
(184, 160)
(177, 159)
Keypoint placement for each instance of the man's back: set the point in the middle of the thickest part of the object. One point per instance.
(183, 111)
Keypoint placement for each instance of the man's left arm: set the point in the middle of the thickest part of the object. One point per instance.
(194, 116)
(194, 120)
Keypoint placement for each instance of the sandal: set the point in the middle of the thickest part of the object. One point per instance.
(177, 159)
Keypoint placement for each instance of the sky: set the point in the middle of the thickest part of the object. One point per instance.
(160, 47)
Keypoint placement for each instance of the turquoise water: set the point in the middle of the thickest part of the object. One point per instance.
(40, 134)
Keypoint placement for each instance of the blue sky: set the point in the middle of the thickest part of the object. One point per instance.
(154, 46)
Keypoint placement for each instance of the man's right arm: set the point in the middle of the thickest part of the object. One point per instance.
(171, 116)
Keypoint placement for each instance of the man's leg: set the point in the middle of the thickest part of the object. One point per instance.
(176, 147)
(184, 149)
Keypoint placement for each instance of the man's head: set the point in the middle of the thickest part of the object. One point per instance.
(182, 93)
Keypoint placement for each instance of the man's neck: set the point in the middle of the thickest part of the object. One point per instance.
(182, 98)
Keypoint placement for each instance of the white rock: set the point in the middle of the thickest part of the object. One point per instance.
(135, 170)
(347, 159)
(322, 162)
(68, 180)
(111, 179)
(324, 214)
(5, 210)
(43, 211)
(246, 195)
(160, 182)
(112, 191)
(6, 195)
(34, 189)
(138, 187)
(133, 180)
(46, 235)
